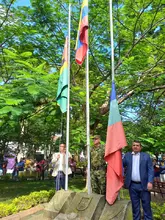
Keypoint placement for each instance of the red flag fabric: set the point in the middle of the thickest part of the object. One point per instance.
(82, 37)
(115, 141)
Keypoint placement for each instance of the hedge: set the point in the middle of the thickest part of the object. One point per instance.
(25, 202)
(158, 211)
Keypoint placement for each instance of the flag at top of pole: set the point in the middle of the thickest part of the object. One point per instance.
(115, 141)
(62, 92)
(82, 36)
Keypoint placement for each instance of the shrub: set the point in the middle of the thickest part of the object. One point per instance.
(158, 210)
(7, 209)
(25, 202)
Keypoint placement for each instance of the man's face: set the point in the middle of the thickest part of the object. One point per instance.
(136, 147)
(96, 141)
(62, 148)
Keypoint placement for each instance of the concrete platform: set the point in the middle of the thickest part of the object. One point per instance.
(67, 205)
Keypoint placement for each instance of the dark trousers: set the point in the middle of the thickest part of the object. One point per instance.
(137, 194)
(15, 174)
(60, 181)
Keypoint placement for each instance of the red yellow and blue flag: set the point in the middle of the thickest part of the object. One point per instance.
(62, 92)
(82, 36)
(115, 141)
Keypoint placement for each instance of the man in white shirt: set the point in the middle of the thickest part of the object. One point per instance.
(139, 179)
(58, 160)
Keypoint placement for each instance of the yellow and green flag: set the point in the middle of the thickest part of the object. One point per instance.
(62, 92)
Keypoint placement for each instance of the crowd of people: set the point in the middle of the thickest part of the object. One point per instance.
(9, 164)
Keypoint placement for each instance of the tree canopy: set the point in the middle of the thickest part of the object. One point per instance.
(31, 46)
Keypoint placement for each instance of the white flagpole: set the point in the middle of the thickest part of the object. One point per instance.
(88, 126)
(68, 100)
(112, 50)
(88, 123)
(112, 42)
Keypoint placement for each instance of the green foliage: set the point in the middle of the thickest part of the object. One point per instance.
(34, 198)
(7, 209)
(158, 210)
(25, 202)
(81, 164)
(32, 40)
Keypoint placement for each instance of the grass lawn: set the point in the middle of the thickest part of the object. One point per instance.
(11, 189)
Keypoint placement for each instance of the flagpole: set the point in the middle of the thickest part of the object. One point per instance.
(88, 126)
(88, 121)
(68, 101)
(112, 51)
(112, 41)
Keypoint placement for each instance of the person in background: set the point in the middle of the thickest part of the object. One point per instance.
(15, 170)
(49, 167)
(98, 167)
(4, 167)
(27, 164)
(46, 167)
(20, 166)
(139, 180)
(59, 162)
(156, 170)
(73, 166)
(162, 169)
(10, 159)
(41, 169)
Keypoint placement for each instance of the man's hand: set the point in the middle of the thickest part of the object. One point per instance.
(58, 156)
(149, 186)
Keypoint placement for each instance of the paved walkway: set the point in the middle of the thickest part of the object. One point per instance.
(36, 216)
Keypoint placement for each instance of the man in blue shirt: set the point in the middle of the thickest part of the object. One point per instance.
(21, 165)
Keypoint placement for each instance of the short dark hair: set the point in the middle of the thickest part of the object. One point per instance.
(136, 141)
(63, 144)
(97, 137)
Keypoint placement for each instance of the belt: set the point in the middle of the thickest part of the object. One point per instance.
(136, 182)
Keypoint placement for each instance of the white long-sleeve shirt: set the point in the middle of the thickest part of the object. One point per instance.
(136, 167)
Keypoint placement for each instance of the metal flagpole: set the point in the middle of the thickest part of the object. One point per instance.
(112, 42)
(88, 126)
(112, 49)
(88, 123)
(68, 100)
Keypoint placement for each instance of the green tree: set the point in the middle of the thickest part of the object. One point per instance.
(32, 40)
